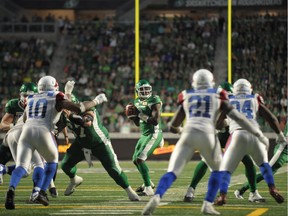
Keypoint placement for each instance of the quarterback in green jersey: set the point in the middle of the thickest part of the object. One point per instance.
(148, 119)
(92, 138)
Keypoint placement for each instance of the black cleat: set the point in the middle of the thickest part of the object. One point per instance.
(53, 192)
(276, 195)
(9, 202)
(43, 198)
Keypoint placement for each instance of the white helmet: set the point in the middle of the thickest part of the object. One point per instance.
(242, 86)
(47, 83)
(202, 79)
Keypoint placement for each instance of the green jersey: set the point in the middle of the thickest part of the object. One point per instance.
(88, 136)
(145, 107)
(15, 108)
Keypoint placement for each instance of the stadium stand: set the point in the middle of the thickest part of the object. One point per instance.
(99, 54)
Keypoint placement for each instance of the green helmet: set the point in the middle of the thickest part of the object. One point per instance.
(27, 89)
(74, 98)
(143, 89)
(227, 87)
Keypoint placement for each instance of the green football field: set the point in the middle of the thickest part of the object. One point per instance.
(99, 195)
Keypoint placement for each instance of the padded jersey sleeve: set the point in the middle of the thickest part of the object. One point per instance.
(260, 99)
(180, 98)
(223, 95)
(61, 96)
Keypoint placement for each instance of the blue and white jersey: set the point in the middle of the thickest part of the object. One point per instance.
(202, 108)
(248, 105)
(40, 109)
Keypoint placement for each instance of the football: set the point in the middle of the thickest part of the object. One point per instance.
(131, 111)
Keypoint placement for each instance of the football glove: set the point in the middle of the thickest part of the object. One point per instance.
(99, 99)
(69, 86)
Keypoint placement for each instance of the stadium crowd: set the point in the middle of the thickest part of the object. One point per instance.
(100, 58)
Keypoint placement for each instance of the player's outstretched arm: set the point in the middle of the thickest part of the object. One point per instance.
(178, 118)
(242, 121)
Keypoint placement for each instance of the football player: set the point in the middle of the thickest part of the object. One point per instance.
(280, 161)
(40, 116)
(148, 119)
(242, 143)
(13, 111)
(91, 138)
(200, 106)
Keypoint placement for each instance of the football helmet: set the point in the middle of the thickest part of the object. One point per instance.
(47, 83)
(143, 89)
(27, 89)
(226, 86)
(242, 86)
(203, 79)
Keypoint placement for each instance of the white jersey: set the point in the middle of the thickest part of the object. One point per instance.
(201, 108)
(247, 105)
(40, 109)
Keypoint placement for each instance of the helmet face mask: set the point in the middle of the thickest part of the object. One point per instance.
(143, 89)
(47, 83)
(27, 89)
(202, 79)
(242, 86)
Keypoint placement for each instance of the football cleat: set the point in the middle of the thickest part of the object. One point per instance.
(133, 196)
(238, 194)
(221, 200)
(53, 192)
(276, 195)
(39, 197)
(188, 199)
(141, 188)
(9, 200)
(255, 197)
(189, 195)
(148, 191)
(74, 182)
(151, 205)
(207, 208)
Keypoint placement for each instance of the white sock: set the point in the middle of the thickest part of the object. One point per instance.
(129, 190)
(51, 184)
